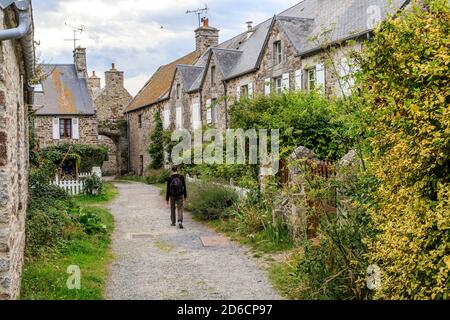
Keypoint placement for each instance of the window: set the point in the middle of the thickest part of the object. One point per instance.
(311, 83)
(140, 121)
(277, 56)
(65, 128)
(244, 91)
(213, 75)
(141, 167)
(278, 85)
(178, 91)
(213, 110)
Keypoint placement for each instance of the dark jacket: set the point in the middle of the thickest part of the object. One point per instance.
(169, 181)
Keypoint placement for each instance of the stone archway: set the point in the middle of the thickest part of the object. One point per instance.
(114, 136)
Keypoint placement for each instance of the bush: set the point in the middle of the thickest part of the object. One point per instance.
(210, 201)
(157, 176)
(405, 85)
(93, 185)
(90, 221)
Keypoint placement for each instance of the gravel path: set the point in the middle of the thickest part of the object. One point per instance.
(154, 261)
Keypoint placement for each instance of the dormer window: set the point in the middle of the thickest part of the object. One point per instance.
(277, 53)
(213, 75)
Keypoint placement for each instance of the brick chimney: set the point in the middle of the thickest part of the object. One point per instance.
(206, 37)
(79, 58)
(94, 84)
(114, 78)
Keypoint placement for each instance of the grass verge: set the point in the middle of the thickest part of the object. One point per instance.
(45, 276)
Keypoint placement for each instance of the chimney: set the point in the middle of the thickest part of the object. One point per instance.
(94, 84)
(114, 78)
(206, 37)
(249, 29)
(79, 57)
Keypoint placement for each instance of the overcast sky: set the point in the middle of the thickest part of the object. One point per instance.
(129, 33)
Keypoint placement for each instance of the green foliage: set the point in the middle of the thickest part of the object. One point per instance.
(157, 176)
(210, 201)
(93, 185)
(405, 85)
(304, 119)
(86, 156)
(156, 148)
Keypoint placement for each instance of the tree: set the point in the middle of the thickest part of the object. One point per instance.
(156, 148)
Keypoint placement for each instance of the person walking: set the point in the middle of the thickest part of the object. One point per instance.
(176, 195)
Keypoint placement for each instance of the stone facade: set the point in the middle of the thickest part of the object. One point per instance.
(287, 60)
(88, 131)
(141, 124)
(13, 161)
(110, 104)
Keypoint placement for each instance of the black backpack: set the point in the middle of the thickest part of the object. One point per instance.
(176, 187)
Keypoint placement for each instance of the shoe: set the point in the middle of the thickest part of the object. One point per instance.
(173, 225)
(181, 226)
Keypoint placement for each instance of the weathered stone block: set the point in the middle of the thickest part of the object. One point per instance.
(4, 264)
(3, 149)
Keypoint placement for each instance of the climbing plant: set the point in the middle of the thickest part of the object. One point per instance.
(157, 141)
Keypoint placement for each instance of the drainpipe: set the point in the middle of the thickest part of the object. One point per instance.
(225, 89)
(24, 32)
(129, 142)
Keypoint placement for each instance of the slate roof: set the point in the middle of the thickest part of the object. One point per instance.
(190, 75)
(157, 88)
(64, 93)
(241, 54)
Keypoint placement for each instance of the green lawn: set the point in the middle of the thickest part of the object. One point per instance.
(45, 277)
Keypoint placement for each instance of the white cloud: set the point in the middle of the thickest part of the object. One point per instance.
(128, 32)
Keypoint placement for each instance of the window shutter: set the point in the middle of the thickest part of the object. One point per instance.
(196, 122)
(250, 90)
(267, 87)
(320, 74)
(209, 111)
(56, 129)
(285, 83)
(179, 118)
(75, 129)
(166, 119)
(238, 93)
(298, 80)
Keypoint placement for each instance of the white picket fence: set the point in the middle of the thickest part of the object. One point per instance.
(75, 187)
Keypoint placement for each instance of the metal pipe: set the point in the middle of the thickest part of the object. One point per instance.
(24, 31)
(21, 30)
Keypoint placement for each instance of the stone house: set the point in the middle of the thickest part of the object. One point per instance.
(16, 72)
(110, 103)
(64, 108)
(276, 55)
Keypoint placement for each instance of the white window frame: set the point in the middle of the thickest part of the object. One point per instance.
(277, 53)
(179, 118)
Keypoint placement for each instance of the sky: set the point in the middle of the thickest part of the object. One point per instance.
(138, 35)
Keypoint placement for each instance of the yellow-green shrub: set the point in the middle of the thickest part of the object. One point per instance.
(406, 87)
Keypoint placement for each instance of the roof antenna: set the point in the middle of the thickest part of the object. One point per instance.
(75, 30)
(199, 13)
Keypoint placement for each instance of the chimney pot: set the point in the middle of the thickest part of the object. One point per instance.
(205, 22)
(113, 67)
(250, 26)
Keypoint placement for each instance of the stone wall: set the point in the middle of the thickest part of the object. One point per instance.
(44, 131)
(111, 102)
(139, 136)
(13, 163)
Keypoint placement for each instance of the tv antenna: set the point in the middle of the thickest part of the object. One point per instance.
(75, 30)
(199, 13)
